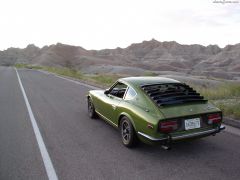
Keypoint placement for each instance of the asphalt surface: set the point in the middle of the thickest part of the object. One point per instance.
(82, 148)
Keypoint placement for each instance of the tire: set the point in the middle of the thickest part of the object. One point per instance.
(91, 109)
(128, 135)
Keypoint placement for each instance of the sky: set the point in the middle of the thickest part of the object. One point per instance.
(100, 24)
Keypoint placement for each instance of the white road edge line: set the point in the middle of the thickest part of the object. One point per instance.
(228, 129)
(43, 150)
(76, 82)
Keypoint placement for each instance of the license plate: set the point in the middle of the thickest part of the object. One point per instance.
(192, 123)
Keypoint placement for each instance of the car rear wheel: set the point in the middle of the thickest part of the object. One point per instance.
(128, 135)
(91, 109)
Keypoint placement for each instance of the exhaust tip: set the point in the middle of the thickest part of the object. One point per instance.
(166, 147)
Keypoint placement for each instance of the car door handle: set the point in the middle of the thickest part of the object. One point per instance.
(113, 106)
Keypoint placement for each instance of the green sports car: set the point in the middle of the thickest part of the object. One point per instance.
(155, 110)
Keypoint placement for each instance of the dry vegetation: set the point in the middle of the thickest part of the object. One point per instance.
(226, 97)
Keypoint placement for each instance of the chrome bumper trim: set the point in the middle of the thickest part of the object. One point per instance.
(222, 128)
(194, 134)
(151, 138)
(211, 131)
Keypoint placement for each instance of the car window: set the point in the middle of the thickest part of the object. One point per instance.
(118, 90)
(131, 93)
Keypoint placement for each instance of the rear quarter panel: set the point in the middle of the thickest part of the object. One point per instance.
(139, 117)
(96, 97)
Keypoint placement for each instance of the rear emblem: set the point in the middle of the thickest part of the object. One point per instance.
(209, 107)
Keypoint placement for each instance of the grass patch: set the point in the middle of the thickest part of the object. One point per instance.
(27, 66)
(225, 91)
(20, 65)
(150, 73)
(230, 109)
(103, 80)
(226, 97)
(99, 79)
(64, 72)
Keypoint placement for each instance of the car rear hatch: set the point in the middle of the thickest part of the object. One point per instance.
(185, 110)
(177, 99)
(182, 104)
(190, 117)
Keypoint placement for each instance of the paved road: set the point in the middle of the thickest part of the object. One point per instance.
(81, 148)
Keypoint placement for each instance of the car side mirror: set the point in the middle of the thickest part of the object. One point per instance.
(106, 91)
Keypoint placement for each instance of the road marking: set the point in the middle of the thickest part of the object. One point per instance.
(43, 150)
(76, 82)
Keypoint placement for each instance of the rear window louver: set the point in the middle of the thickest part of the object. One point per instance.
(172, 93)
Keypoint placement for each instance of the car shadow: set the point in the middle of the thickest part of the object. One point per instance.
(192, 149)
(196, 146)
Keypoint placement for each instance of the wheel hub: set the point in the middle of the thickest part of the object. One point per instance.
(125, 131)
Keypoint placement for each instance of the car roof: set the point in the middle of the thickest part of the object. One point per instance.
(144, 80)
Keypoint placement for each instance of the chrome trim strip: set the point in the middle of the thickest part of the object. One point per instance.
(151, 138)
(106, 119)
(222, 128)
(183, 136)
(195, 134)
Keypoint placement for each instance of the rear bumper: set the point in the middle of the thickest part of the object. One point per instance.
(185, 136)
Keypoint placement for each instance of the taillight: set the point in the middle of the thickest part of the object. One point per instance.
(168, 126)
(214, 118)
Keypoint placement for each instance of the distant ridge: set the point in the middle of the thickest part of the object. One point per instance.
(146, 56)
